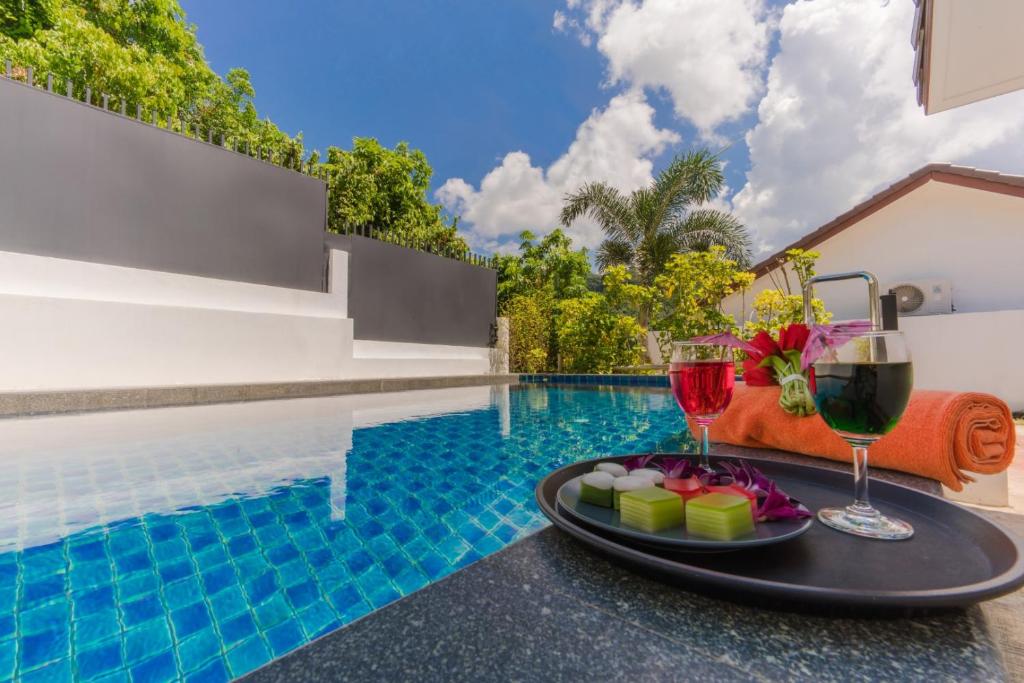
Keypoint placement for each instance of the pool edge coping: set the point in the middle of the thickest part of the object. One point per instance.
(50, 402)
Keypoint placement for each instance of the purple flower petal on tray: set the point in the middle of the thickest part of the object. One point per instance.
(778, 506)
(636, 462)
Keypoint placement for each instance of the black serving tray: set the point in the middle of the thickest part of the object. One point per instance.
(955, 558)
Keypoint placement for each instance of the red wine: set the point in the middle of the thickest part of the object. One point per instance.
(702, 388)
(862, 398)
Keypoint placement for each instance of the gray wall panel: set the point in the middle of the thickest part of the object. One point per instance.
(80, 183)
(399, 294)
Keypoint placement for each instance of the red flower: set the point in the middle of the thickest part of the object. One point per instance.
(755, 376)
(793, 337)
(765, 346)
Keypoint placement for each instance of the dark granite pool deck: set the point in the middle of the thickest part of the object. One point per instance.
(548, 609)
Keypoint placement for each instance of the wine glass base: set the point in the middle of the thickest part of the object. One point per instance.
(880, 527)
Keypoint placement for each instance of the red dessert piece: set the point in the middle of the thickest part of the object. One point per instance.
(685, 488)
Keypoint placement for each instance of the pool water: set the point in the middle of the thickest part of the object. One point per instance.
(201, 543)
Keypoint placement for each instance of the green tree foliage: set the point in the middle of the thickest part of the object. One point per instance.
(781, 304)
(529, 318)
(594, 331)
(690, 291)
(550, 264)
(531, 285)
(144, 52)
(387, 189)
(646, 228)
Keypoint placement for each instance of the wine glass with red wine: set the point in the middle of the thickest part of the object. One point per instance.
(861, 390)
(702, 378)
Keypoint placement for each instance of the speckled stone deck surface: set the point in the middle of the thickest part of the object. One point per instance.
(548, 609)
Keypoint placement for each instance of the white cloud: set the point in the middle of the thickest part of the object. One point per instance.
(614, 145)
(839, 119)
(708, 55)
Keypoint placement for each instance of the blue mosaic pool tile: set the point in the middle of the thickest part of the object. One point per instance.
(237, 628)
(215, 590)
(42, 648)
(145, 640)
(198, 648)
(317, 618)
(285, 637)
(8, 659)
(60, 670)
(248, 655)
(94, 550)
(157, 669)
(216, 671)
(93, 627)
(142, 609)
(190, 619)
(303, 594)
(7, 626)
(182, 593)
(228, 603)
(272, 612)
(99, 660)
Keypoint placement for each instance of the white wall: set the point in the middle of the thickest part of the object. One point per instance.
(74, 325)
(974, 239)
(971, 237)
(969, 352)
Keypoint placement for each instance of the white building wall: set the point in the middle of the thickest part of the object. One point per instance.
(77, 325)
(972, 238)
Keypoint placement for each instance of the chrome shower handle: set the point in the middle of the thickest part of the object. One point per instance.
(874, 303)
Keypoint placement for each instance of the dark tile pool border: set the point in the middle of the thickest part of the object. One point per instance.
(19, 404)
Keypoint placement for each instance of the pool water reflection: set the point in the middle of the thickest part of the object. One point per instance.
(200, 543)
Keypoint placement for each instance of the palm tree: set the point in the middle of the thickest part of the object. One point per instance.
(651, 224)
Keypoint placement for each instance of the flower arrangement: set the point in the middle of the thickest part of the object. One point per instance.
(780, 362)
(786, 362)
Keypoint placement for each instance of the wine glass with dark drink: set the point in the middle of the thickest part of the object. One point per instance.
(861, 390)
(702, 378)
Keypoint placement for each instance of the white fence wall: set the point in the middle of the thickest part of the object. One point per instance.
(76, 325)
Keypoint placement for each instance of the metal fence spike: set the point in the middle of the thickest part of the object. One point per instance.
(29, 77)
(49, 82)
(88, 95)
(138, 112)
(106, 102)
(209, 136)
(70, 88)
(7, 68)
(152, 115)
(124, 107)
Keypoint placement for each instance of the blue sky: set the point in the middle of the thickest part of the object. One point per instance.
(516, 102)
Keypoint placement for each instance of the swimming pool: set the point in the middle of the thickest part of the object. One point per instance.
(200, 543)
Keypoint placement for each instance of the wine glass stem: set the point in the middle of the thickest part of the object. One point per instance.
(704, 446)
(861, 503)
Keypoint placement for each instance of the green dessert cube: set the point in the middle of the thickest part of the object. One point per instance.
(624, 484)
(720, 516)
(596, 489)
(651, 509)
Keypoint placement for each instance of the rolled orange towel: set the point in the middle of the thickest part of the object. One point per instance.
(941, 434)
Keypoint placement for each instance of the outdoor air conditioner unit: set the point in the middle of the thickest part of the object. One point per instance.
(923, 297)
